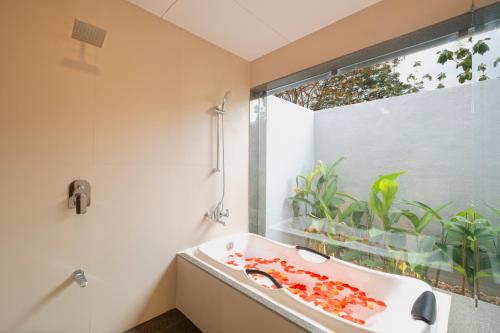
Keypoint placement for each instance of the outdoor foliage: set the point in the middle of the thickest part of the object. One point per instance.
(463, 59)
(469, 243)
(360, 84)
(382, 80)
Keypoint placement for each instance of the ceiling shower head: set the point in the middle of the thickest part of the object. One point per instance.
(88, 33)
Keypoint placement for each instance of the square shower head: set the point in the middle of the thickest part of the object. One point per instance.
(88, 33)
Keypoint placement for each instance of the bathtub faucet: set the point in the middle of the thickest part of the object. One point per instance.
(217, 213)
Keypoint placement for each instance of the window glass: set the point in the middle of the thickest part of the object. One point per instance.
(396, 165)
(462, 61)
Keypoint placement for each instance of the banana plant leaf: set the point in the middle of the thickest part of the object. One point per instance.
(382, 195)
(421, 222)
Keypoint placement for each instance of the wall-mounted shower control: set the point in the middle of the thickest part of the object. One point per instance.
(79, 196)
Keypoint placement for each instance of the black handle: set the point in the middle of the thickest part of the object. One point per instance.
(267, 275)
(78, 201)
(424, 308)
(326, 256)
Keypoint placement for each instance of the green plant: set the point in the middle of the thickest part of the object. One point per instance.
(359, 84)
(417, 83)
(418, 260)
(446, 226)
(496, 62)
(463, 59)
(316, 194)
(441, 76)
(381, 197)
(421, 222)
(468, 240)
(383, 80)
(469, 243)
(358, 214)
(495, 230)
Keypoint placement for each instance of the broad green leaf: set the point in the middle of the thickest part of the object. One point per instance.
(444, 56)
(302, 200)
(346, 196)
(496, 62)
(470, 214)
(375, 203)
(414, 219)
(459, 270)
(336, 202)
(394, 217)
(330, 191)
(387, 186)
(461, 229)
(416, 259)
(391, 176)
(480, 47)
(325, 210)
(331, 169)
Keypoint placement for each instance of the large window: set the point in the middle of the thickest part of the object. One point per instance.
(391, 163)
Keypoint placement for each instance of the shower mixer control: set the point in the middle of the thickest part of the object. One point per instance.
(217, 213)
(79, 196)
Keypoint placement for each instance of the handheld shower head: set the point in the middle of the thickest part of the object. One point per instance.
(221, 107)
(226, 96)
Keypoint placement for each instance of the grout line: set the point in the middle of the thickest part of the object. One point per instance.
(169, 7)
(262, 21)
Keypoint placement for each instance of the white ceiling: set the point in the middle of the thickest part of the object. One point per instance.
(252, 28)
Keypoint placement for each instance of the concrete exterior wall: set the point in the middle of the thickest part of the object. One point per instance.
(290, 152)
(447, 141)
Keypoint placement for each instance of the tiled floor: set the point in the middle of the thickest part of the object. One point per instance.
(170, 322)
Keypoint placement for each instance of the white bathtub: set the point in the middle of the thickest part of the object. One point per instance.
(399, 293)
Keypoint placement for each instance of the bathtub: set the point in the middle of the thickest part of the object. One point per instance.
(382, 302)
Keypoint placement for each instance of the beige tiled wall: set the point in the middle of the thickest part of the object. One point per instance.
(134, 119)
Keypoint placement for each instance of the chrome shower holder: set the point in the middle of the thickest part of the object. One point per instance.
(217, 213)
